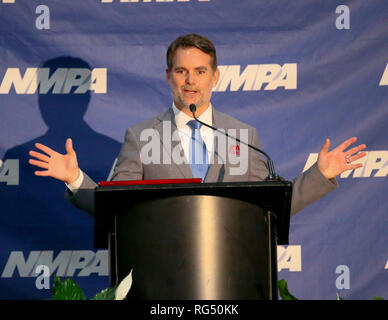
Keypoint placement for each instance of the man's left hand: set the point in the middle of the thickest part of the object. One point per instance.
(333, 163)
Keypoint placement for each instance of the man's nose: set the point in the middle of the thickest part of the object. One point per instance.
(190, 78)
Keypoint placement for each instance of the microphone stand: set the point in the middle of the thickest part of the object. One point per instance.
(272, 176)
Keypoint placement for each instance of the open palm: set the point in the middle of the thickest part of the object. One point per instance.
(63, 167)
(333, 163)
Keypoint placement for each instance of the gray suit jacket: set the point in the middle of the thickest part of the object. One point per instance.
(308, 187)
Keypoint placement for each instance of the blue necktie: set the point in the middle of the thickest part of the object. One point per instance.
(197, 152)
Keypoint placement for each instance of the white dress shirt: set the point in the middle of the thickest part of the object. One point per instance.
(184, 130)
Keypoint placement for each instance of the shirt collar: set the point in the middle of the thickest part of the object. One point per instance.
(182, 118)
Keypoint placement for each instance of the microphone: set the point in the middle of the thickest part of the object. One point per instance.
(272, 176)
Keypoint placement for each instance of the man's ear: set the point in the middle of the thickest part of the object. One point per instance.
(168, 75)
(216, 78)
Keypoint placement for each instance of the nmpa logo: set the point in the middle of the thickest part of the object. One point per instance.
(9, 171)
(384, 78)
(375, 164)
(289, 258)
(67, 263)
(257, 77)
(62, 80)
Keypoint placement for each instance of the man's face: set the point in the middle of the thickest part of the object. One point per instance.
(191, 78)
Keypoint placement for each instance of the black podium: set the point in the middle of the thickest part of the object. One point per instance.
(193, 241)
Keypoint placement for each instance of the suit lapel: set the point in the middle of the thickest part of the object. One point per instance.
(216, 170)
(184, 169)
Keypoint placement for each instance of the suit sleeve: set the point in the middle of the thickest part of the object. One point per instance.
(84, 197)
(128, 167)
(258, 169)
(308, 187)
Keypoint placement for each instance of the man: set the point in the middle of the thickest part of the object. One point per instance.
(192, 74)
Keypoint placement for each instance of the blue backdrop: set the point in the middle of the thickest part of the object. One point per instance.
(297, 71)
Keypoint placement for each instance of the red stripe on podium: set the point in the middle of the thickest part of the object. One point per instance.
(143, 182)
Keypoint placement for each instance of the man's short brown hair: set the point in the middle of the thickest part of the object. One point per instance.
(190, 41)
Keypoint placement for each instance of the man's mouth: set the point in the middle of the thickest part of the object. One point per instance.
(190, 92)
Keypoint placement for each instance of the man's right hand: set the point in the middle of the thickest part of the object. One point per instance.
(63, 167)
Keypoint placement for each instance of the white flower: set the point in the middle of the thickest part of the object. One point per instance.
(124, 286)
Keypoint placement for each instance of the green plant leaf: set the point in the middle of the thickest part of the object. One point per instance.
(339, 297)
(283, 290)
(106, 294)
(67, 290)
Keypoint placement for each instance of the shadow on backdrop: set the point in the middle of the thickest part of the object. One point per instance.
(35, 215)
